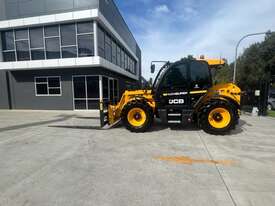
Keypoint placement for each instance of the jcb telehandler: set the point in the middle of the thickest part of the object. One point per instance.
(182, 93)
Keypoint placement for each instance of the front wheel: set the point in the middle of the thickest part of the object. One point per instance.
(218, 119)
(137, 116)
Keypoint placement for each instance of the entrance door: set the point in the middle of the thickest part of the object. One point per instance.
(86, 92)
(113, 90)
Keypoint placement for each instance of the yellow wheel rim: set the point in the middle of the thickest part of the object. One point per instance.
(219, 118)
(136, 117)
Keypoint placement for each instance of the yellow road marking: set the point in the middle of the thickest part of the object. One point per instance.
(190, 161)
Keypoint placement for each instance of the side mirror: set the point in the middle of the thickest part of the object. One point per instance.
(153, 68)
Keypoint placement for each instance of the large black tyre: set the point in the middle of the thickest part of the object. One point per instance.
(137, 116)
(218, 117)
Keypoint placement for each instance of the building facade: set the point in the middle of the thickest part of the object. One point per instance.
(64, 54)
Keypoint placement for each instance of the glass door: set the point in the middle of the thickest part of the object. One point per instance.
(92, 83)
(79, 88)
(86, 92)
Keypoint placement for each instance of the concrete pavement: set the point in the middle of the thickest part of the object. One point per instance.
(63, 158)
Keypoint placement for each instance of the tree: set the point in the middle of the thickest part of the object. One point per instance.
(223, 75)
(256, 64)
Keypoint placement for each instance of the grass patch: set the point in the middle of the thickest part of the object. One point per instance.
(271, 113)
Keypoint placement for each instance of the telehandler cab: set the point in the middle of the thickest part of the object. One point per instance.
(182, 93)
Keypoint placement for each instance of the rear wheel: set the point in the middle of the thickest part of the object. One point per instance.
(137, 116)
(218, 118)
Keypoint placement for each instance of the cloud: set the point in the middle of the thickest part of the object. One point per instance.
(189, 31)
(163, 8)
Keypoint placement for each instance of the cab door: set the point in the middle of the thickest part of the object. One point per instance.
(173, 91)
(200, 80)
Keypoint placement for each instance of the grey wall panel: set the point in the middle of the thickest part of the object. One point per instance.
(82, 4)
(4, 101)
(2, 9)
(28, 8)
(23, 88)
(112, 14)
(31, 7)
(60, 5)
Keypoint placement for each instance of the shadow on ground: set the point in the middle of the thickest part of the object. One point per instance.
(157, 126)
(32, 124)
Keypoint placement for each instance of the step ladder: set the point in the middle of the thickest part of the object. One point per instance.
(174, 117)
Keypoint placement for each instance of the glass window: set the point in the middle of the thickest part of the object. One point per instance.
(200, 75)
(21, 34)
(69, 52)
(126, 62)
(108, 48)
(85, 45)
(41, 80)
(111, 83)
(54, 82)
(80, 104)
(122, 59)
(68, 34)
(93, 104)
(52, 48)
(48, 86)
(105, 87)
(36, 37)
(135, 67)
(118, 61)
(41, 89)
(116, 89)
(7, 40)
(22, 50)
(114, 52)
(38, 54)
(92, 87)
(79, 87)
(176, 77)
(54, 91)
(85, 27)
(9, 56)
(101, 43)
(51, 31)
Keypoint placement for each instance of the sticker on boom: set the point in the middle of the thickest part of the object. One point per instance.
(176, 101)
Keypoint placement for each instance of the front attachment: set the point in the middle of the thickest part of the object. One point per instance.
(108, 117)
(103, 109)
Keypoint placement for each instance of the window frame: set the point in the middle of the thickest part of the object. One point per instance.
(126, 61)
(45, 37)
(48, 88)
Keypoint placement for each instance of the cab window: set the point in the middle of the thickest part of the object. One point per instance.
(200, 75)
(176, 77)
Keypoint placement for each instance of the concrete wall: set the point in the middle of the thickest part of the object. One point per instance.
(23, 88)
(28, 8)
(4, 101)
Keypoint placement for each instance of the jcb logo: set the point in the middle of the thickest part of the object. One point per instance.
(176, 101)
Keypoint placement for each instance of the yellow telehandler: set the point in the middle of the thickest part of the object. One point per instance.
(182, 93)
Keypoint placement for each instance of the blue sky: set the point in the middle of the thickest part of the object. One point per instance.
(172, 29)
